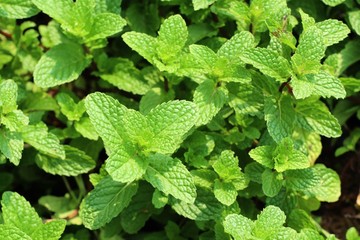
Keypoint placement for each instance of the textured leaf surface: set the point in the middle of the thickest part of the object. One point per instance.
(271, 185)
(61, 64)
(320, 84)
(8, 95)
(225, 192)
(105, 202)
(238, 226)
(209, 100)
(11, 145)
(142, 43)
(73, 111)
(172, 37)
(263, 155)
(102, 110)
(206, 207)
(279, 117)
(19, 213)
(270, 221)
(75, 162)
(57, 9)
(127, 163)
(236, 45)
(354, 18)
(170, 121)
(39, 137)
(268, 62)
(311, 45)
(318, 117)
(318, 181)
(333, 31)
(201, 4)
(17, 9)
(50, 231)
(9, 232)
(105, 25)
(171, 177)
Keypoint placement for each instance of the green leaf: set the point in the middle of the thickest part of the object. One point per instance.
(50, 231)
(105, 25)
(73, 111)
(170, 122)
(238, 226)
(105, 202)
(263, 155)
(279, 117)
(271, 183)
(320, 84)
(86, 129)
(206, 207)
(209, 99)
(333, 31)
(354, 17)
(311, 45)
(11, 145)
(314, 114)
(227, 165)
(127, 163)
(19, 213)
(102, 110)
(9, 232)
(172, 37)
(246, 99)
(319, 182)
(134, 217)
(17, 9)
(203, 56)
(142, 43)
(61, 64)
(225, 192)
(201, 4)
(333, 3)
(236, 45)
(8, 96)
(154, 97)
(15, 120)
(171, 177)
(39, 137)
(75, 162)
(268, 62)
(270, 221)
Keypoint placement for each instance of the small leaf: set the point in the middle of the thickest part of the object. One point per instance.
(8, 96)
(206, 207)
(127, 163)
(263, 155)
(209, 99)
(18, 212)
(105, 202)
(142, 43)
(171, 177)
(333, 31)
(39, 137)
(268, 62)
(314, 114)
(102, 110)
(75, 162)
(61, 64)
(105, 25)
(270, 221)
(11, 145)
(17, 9)
(172, 37)
(73, 111)
(279, 117)
(271, 184)
(225, 192)
(201, 4)
(170, 122)
(238, 226)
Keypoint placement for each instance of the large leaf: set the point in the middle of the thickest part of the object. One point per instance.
(17, 9)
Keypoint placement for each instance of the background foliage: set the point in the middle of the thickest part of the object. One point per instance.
(167, 119)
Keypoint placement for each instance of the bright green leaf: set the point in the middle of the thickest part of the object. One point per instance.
(105, 202)
(263, 155)
(9, 232)
(225, 192)
(201, 4)
(39, 137)
(50, 231)
(142, 43)
(105, 25)
(73, 111)
(170, 122)
(75, 162)
(271, 183)
(269, 221)
(8, 95)
(11, 145)
(17, 9)
(170, 176)
(354, 17)
(19, 213)
(61, 64)
(238, 226)
(333, 31)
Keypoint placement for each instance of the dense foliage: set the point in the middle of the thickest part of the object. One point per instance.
(171, 119)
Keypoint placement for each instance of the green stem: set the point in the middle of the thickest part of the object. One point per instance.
(81, 185)
(67, 185)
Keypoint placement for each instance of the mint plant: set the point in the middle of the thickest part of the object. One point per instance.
(205, 119)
